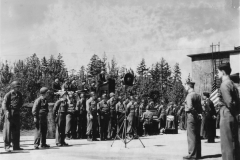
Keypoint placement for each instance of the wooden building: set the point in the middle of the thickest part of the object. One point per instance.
(204, 67)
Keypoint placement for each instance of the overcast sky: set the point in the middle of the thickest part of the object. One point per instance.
(127, 29)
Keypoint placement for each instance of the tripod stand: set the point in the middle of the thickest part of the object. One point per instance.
(124, 137)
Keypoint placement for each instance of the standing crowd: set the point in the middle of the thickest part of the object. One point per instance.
(100, 117)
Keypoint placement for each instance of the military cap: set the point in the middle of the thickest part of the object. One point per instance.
(206, 94)
(104, 96)
(171, 103)
(43, 90)
(15, 84)
(224, 66)
(112, 94)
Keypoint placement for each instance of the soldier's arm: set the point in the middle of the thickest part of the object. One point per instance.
(6, 103)
(189, 104)
(35, 109)
(226, 95)
(56, 107)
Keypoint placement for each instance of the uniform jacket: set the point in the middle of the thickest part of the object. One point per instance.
(40, 107)
(12, 100)
(193, 102)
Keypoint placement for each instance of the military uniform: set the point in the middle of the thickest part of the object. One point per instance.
(112, 127)
(104, 111)
(193, 108)
(40, 112)
(81, 118)
(12, 103)
(147, 124)
(71, 120)
(131, 118)
(182, 117)
(228, 123)
(211, 125)
(205, 119)
(60, 109)
(162, 117)
(92, 119)
(120, 109)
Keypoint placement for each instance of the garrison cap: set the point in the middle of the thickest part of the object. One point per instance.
(206, 94)
(43, 90)
(224, 66)
(104, 96)
(112, 94)
(15, 84)
(171, 103)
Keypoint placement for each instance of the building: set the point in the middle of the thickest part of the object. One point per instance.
(204, 67)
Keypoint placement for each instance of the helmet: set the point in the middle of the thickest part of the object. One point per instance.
(15, 84)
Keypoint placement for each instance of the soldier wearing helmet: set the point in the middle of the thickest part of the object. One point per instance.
(12, 103)
(40, 113)
(81, 116)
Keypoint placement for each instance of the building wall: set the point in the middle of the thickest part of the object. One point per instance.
(202, 75)
(235, 63)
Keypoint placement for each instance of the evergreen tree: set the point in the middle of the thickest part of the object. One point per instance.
(141, 68)
(95, 65)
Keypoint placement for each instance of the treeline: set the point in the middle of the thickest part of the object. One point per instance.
(158, 81)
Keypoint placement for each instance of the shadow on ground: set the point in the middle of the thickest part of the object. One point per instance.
(212, 156)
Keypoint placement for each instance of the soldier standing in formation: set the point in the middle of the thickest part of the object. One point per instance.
(12, 103)
(162, 116)
(112, 127)
(40, 114)
(71, 118)
(92, 118)
(131, 116)
(181, 114)
(147, 121)
(81, 116)
(193, 110)
(230, 108)
(120, 109)
(59, 113)
(104, 110)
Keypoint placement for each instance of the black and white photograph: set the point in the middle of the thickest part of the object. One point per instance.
(119, 79)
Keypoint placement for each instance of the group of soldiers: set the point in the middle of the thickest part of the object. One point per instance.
(76, 116)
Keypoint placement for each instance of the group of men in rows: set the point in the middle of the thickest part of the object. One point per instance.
(103, 116)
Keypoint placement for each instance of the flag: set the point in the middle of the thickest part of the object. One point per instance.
(214, 94)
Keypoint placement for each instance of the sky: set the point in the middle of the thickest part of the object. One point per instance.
(128, 30)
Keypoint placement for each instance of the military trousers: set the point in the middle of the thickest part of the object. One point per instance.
(81, 125)
(162, 122)
(40, 130)
(193, 135)
(60, 128)
(11, 130)
(71, 125)
(182, 122)
(92, 125)
(229, 135)
(131, 123)
(103, 129)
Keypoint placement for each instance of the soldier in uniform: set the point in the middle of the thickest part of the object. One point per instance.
(162, 116)
(73, 86)
(71, 118)
(56, 85)
(104, 110)
(229, 110)
(182, 117)
(112, 127)
(193, 110)
(92, 118)
(210, 118)
(60, 110)
(120, 109)
(40, 113)
(171, 111)
(147, 119)
(66, 86)
(81, 117)
(11, 105)
(131, 117)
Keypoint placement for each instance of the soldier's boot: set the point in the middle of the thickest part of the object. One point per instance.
(144, 133)
(89, 138)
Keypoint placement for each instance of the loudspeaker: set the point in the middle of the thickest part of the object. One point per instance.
(128, 79)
